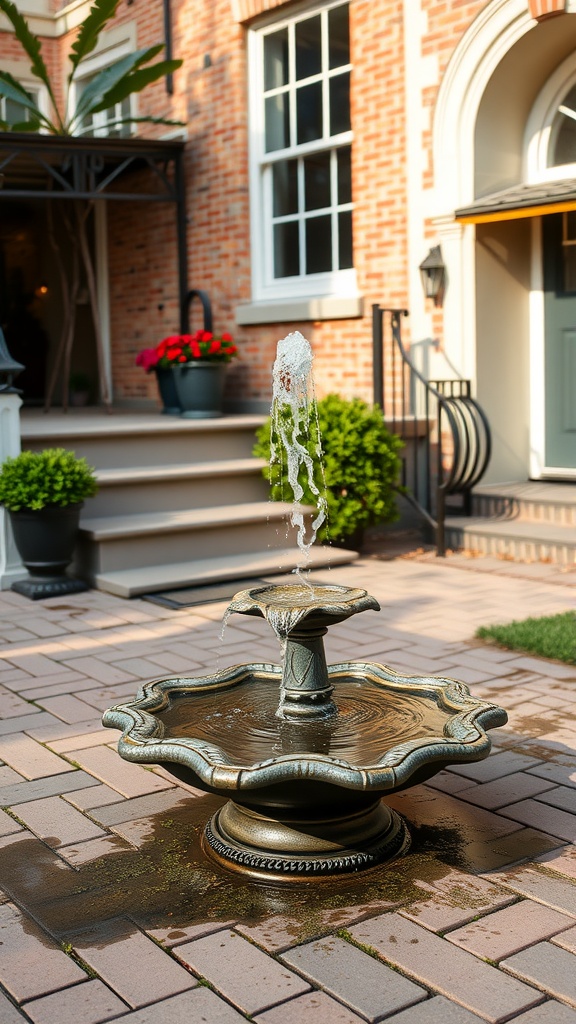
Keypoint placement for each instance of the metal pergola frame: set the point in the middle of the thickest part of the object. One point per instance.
(95, 168)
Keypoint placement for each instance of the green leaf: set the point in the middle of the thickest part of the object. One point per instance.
(13, 90)
(31, 44)
(102, 83)
(135, 83)
(100, 13)
(24, 126)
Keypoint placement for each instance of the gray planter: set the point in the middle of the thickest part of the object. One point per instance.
(200, 389)
(168, 394)
(45, 539)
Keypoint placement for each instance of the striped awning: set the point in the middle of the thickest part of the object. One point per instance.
(521, 201)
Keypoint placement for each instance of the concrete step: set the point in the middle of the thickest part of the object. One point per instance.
(151, 579)
(130, 440)
(529, 500)
(516, 539)
(110, 543)
(122, 491)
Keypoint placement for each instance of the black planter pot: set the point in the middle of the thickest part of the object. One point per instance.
(168, 393)
(200, 388)
(45, 539)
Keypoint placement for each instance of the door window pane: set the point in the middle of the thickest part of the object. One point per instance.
(286, 250)
(276, 59)
(317, 181)
(308, 48)
(318, 244)
(340, 103)
(338, 37)
(285, 187)
(276, 115)
(344, 175)
(309, 112)
(345, 240)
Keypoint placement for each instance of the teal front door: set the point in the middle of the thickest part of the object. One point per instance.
(559, 251)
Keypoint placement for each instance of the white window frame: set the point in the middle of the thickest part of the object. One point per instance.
(266, 288)
(91, 66)
(538, 134)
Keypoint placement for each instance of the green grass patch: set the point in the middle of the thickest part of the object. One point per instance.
(551, 636)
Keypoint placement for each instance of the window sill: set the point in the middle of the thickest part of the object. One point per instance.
(288, 310)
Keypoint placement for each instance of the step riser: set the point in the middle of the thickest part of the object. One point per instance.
(116, 451)
(522, 550)
(176, 495)
(132, 552)
(528, 511)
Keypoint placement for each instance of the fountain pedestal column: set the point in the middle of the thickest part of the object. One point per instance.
(306, 690)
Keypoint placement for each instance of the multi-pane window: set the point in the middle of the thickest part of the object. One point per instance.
(106, 122)
(305, 144)
(12, 112)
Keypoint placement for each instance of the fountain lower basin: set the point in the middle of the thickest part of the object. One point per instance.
(305, 777)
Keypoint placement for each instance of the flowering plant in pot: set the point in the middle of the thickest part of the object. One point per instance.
(43, 493)
(196, 363)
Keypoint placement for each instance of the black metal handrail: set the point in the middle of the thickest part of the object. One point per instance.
(449, 434)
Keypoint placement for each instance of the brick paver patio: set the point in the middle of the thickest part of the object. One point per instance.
(109, 910)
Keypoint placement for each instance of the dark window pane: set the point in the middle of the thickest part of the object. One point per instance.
(277, 122)
(344, 175)
(345, 240)
(317, 181)
(285, 187)
(276, 59)
(569, 254)
(309, 112)
(338, 37)
(308, 48)
(318, 244)
(286, 250)
(340, 103)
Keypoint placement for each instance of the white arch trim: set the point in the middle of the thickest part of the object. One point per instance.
(490, 36)
(539, 126)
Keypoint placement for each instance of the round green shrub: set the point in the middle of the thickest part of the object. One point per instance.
(54, 476)
(361, 466)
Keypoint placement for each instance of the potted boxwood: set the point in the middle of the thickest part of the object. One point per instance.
(43, 493)
(190, 370)
(361, 468)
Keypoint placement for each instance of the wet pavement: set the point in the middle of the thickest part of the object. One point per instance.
(110, 909)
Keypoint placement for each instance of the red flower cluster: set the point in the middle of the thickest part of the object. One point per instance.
(178, 349)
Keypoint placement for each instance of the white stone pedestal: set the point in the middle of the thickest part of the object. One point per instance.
(11, 568)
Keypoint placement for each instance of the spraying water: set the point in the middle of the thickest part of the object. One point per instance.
(293, 410)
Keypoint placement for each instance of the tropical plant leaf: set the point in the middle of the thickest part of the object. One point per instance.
(135, 83)
(100, 13)
(32, 45)
(13, 90)
(107, 79)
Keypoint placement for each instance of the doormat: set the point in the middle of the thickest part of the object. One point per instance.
(211, 592)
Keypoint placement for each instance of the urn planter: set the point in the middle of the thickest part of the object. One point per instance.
(45, 539)
(200, 389)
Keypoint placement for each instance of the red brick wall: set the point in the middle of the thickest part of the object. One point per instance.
(210, 94)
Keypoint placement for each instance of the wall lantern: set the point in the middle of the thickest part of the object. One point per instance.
(433, 274)
(9, 368)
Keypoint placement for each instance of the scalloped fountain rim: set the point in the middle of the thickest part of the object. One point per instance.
(464, 736)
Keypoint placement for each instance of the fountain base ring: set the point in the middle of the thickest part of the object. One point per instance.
(243, 840)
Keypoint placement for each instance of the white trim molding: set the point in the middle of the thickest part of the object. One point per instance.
(314, 308)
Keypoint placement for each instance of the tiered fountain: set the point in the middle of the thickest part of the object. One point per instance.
(304, 752)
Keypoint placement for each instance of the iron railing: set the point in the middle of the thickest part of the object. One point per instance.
(446, 432)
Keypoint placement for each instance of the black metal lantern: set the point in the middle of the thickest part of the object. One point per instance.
(9, 368)
(433, 274)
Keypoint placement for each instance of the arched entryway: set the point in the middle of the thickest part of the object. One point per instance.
(501, 261)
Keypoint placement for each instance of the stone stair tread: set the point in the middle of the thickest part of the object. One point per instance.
(97, 423)
(540, 491)
(150, 579)
(139, 524)
(514, 529)
(176, 471)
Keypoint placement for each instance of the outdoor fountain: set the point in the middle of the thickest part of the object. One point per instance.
(304, 752)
